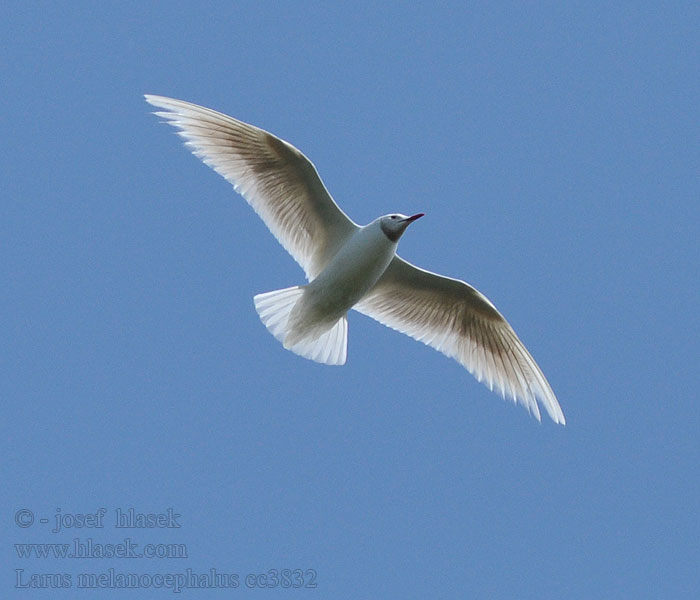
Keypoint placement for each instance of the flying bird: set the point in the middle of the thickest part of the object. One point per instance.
(352, 266)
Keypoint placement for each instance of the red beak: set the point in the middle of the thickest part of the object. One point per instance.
(414, 217)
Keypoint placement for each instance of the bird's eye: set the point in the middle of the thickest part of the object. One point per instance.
(393, 216)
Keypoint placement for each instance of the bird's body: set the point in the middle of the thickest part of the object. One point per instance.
(349, 266)
(322, 304)
(352, 272)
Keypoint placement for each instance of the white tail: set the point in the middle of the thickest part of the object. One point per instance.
(274, 309)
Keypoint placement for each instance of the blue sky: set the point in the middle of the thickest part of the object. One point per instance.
(554, 150)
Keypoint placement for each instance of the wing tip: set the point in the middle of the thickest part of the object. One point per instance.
(562, 419)
(554, 410)
(153, 99)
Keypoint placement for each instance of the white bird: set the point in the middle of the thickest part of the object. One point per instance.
(349, 266)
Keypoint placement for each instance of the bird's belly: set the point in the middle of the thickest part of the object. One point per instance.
(346, 279)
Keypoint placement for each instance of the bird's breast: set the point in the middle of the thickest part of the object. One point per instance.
(352, 272)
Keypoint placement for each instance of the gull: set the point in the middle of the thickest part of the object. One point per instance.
(352, 266)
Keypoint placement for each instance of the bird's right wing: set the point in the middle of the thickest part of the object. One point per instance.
(459, 321)
(276, 179)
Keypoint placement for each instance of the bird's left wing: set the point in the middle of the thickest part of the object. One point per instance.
(459, 321)
(275, 178)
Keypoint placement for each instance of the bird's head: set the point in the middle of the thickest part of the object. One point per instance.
(394, 225)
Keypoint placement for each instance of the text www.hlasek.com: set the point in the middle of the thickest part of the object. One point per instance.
(91, 549)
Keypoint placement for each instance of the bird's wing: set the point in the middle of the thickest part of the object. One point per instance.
(459, 321)
(275, 178)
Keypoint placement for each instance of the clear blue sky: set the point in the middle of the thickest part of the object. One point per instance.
(554, 148)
